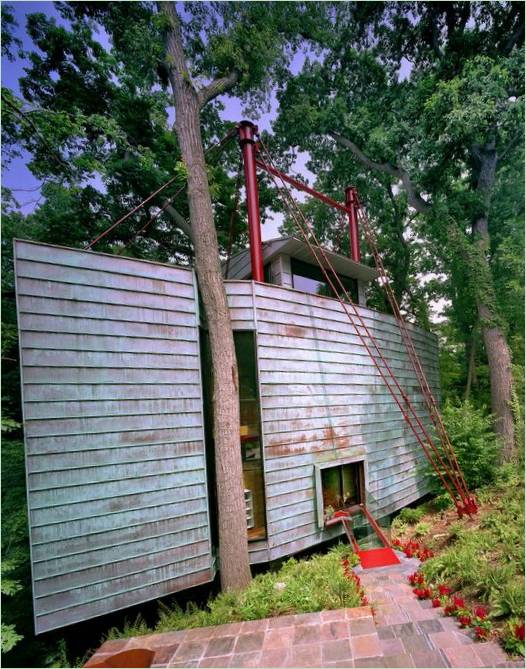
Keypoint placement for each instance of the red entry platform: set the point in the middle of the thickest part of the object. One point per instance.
(373, 557)
(377, 557)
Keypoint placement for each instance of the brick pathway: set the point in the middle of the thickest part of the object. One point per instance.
(413, 634)
(404, 633)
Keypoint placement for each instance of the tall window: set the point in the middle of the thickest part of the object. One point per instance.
(250, 434)
(310, 279)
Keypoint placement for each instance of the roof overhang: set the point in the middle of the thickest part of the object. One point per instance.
(296, 248)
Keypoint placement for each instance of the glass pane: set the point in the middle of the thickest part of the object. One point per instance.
(350, 482)
(249, 433)
(331, 488)
(310, 279)
(364, 533)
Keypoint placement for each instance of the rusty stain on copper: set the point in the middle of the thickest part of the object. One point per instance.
(294, 331)
(329, 434)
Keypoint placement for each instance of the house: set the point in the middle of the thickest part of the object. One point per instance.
(115, 388)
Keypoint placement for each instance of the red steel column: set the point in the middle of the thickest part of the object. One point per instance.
(351, 201)
(246, 131)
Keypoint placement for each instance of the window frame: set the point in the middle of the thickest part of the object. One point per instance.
(300, 268)
(363, 481)
(260, 437)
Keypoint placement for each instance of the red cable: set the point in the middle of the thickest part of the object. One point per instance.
(123, 218)
(404, 396)
(429, 398)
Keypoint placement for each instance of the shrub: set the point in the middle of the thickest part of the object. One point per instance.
(442, 502)
(410, 516)
(421, 529)
(299, 586)
(471, 432)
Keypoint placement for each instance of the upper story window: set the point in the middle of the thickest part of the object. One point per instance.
(310, 279)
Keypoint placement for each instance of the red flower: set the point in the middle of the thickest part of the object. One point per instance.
(365, 601)
(480, 612)
(425, 554)
(436, 603)
(464, 621)
(422, 593)
(481, 633)
(444, 590)
(450, 610)
(459, 602)
(397, 542)
(519, 632)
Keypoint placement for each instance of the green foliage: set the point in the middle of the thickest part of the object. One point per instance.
(9, 586)
(9, 637)
(471, 432)
(442, 501)
(137, 627)
(59, 657)
(411, 516)
(511, 642)
(487, 561)
(299, 586)
(508, 599)
(15, 584)
(421, 529)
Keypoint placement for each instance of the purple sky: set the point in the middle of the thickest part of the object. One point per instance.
(17, 176)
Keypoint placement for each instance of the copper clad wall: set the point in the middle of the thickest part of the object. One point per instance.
(322, 399)
(112, 400)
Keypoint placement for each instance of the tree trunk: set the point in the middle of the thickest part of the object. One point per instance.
(233, 543)
(495, 343)
(470, 354)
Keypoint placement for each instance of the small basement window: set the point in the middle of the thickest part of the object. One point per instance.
(338, 486)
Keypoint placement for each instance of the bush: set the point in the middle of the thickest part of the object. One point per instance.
(421, 529)
(442, 502)
(487, 561)
(471, 432)
(410, 516)
(300, 586)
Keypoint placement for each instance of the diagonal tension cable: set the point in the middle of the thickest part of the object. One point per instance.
(427, 393)
(305, 228)
(218, 145)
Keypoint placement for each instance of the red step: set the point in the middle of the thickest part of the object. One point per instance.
(377, 557)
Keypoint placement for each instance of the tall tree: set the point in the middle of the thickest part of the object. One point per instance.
(233, 553)
(93, 114)
(429, 96)
(244, 43)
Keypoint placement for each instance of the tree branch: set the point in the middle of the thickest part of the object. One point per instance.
(217, 87)
(413, 197)
(178, 219)
(514, 141)
(23, 117)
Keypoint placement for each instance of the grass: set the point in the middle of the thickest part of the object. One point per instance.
(299, 586)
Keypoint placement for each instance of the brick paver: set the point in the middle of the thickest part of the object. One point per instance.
(403, 632)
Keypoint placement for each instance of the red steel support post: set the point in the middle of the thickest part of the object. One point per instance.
(246, 139)
(351, 202)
